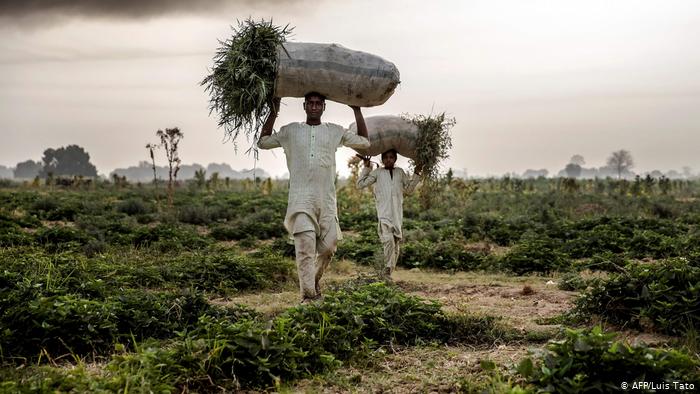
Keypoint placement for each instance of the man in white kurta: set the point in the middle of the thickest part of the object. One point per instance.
(390, 183)
(312, 214)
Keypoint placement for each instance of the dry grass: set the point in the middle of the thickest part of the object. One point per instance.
(272, 303)
(423, 369)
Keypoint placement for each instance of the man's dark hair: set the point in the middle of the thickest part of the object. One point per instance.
(390, 150)
(314, 94)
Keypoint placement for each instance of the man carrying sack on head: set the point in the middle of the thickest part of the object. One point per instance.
(390, 184)
(312, 213)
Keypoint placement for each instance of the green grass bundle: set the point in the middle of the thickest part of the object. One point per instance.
(433, 142)
(241, 83)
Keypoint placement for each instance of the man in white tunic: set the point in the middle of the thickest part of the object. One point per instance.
(390, 183)
(312, 213)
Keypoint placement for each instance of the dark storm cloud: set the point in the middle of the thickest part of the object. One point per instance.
(18, 12)
(104, 8)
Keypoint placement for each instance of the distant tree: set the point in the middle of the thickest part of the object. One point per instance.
(201, 177)
(621, 161)
(170, 139)
(67, 161)
(6, 173)
(687, 172)
(530, 173)
(673, 174)
(577, 159)
(214, 180)
(573, 170)
(27, 169)
(664, 185)
(449, 176)
(656, 174)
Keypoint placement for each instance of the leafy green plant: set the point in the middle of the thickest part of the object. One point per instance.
(364, 249)
(303, 340)
(572, 281)
(591, 360)
(133, 206)
(662, 296)
(534, 254)
(448, 254)
(169, 236)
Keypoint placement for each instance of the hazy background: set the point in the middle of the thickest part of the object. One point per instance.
(530, 82)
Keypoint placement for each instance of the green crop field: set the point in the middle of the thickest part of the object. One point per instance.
(504, 285)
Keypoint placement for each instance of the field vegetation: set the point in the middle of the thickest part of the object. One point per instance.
(505, 285)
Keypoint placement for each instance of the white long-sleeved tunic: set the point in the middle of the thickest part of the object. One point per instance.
(310, 152)
(388, 194)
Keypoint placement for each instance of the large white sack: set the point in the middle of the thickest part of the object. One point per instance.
(389, 132)
(341, 74)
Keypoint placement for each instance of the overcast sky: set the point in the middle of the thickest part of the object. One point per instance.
(531, 83)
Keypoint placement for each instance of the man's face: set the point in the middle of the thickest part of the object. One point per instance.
(314, 107)
(389, 159)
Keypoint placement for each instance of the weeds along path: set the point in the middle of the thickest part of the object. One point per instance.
(525, 303)
(521, 301)
(448, 368)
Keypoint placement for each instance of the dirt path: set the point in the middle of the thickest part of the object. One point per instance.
(521, 301)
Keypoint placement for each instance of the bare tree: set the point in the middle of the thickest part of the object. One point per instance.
(169, 139)
(578, 160)
(620, 161)
(151, 148)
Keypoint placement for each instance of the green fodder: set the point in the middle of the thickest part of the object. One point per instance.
(241, 83)
(662, 296)
(433, 142)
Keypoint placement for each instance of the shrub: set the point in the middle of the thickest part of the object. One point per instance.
(133, 207)
(534, 254)
(170, 236)
(572, 281)
(648, 243)
(51, 208)
(663, 296)
(284, 247)
(94, 247)
(364, 249)
(592, 360)
(34, 319)
(449, 254)
(501, 231)
(10, 237)
(60, 237)
(194, 214)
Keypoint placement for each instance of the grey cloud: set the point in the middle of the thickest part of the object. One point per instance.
(104, 8)
(38, 13)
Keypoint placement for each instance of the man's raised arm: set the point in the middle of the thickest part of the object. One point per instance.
(271, 117)
(360, 122)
